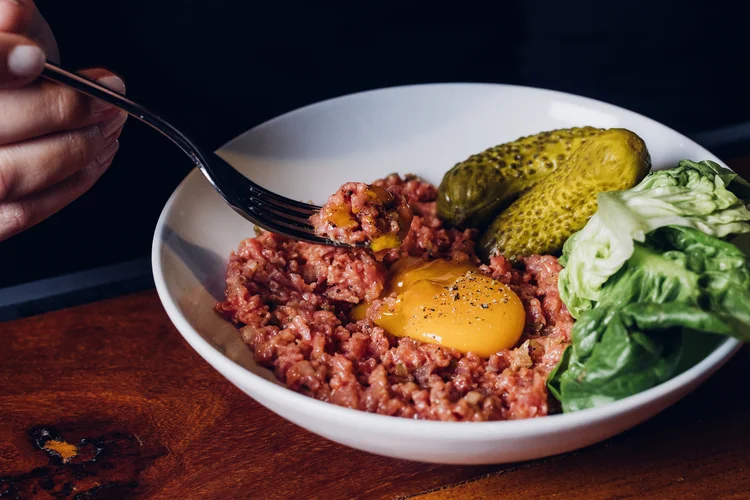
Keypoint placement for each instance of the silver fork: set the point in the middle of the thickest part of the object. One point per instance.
(260, 206)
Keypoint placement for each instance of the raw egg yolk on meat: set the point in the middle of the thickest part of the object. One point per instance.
(453, 305)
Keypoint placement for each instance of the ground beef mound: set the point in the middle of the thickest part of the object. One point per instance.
(292, 301)
(362, 213)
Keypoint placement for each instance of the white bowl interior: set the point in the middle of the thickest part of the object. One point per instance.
(309, 153)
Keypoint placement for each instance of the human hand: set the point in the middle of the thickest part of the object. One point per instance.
(55, 143)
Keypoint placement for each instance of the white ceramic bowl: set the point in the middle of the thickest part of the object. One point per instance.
(307, 154)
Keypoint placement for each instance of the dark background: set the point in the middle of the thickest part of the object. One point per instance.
(220, 67)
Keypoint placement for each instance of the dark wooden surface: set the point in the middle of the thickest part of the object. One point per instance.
(106, 400)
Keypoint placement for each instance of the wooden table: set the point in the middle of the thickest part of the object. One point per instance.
(107, 400)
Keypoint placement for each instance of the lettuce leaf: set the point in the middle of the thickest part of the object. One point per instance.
(702, 195)
(679, 279)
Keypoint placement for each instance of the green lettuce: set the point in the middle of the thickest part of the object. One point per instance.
(678, 281)
(702, 195)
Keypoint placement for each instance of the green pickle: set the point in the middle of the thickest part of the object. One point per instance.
(544, 217)
(475, 190)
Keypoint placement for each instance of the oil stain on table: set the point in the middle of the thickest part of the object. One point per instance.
(104, 465)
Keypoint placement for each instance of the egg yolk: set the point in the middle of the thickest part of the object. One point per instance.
(453, 305)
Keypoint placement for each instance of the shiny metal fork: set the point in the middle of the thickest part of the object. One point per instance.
(260, 206)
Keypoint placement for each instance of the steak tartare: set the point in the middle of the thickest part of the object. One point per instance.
(361, 213)
(292, 302)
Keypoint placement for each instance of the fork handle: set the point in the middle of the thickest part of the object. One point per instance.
(59, 75)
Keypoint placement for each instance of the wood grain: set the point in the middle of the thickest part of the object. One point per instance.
(696, 449)
(118, 374)
(107, 401)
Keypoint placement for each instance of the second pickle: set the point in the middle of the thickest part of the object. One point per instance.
(542, 218)
(475, 190)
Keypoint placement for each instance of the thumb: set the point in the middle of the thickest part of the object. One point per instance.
(17, 16)
(21, 60)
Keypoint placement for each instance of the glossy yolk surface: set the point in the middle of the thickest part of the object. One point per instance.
(451, 304)
(385, 242)
(340, 217)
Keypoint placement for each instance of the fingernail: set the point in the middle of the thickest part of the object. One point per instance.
(112, 125)
(25, 60)
(112, 83)
(109, 152)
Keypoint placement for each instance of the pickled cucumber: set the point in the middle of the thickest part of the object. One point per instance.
(475, 190)
(546, 215)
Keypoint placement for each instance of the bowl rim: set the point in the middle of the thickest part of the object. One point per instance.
(283, 396)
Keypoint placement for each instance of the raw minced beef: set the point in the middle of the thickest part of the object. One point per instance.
(363, 213)
(292, 302)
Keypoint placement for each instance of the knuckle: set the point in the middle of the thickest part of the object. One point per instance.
(79, 147)
(68, 106)
(7, 177)
(15, 217)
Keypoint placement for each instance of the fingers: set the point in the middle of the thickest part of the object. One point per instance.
(34, 165)
(55, 145)
(16, 16)
(22, 17)
(21, 58)
(15, 216)
(45, 107)
(54, 142)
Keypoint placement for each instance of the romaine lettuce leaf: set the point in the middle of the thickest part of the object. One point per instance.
(678, 279)
(701, 195)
